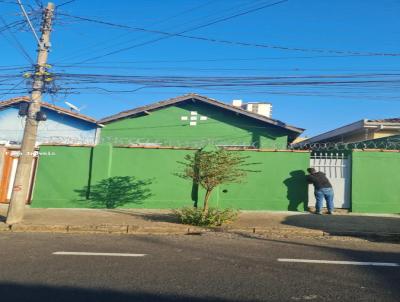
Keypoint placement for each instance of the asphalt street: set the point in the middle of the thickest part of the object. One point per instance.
(211, 267)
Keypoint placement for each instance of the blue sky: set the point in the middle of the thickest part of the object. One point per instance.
(343, 25)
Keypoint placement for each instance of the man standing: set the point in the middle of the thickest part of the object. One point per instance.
(322, 189)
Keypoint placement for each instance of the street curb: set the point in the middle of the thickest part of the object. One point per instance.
(100, 229)
(279, 230)
(38, 228)
(368, 235)
(192, 230)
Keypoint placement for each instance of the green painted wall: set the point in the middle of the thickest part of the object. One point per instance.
(157, 167)
(59, 176)
(376, 182)
(280, 184)
(62, 179)
(221, 127)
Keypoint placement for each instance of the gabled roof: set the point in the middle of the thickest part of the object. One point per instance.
(17, 100)
(200, 98)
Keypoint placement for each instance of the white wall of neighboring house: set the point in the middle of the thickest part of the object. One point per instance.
(58, 128)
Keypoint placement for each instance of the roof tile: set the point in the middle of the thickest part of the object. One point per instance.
(20, 99)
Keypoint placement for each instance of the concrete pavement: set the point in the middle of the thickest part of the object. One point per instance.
(140, 221)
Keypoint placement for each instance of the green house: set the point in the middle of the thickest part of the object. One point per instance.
(193, 120)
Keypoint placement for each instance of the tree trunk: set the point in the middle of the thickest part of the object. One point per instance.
(206, 198)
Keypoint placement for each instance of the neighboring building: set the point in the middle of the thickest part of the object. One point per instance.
(194, 120)
(62, 127)
(357, 132)
(299, 140)
(261, 108)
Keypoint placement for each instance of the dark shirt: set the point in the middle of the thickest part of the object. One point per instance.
(319, 180)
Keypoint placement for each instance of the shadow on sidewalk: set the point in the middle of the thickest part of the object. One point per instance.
(349, 225)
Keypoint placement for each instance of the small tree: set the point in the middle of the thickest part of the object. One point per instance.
(212, 168)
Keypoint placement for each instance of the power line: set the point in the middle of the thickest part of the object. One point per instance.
(223, 41)
(65, 3)
(11, 25)
(156, 23)
(112, 76)
(371, 80)
(175, 68)
(39, 3)
(212, 60)
(167, 35)
(20, 47)
(12, 88)
(8, 2)
(237, 15)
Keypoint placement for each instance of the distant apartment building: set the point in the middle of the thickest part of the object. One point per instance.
(261, 108)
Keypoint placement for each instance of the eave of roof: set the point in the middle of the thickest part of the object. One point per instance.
(194, 96)
(350, 128)
(395, 120)
(16, 100)
(333, 133)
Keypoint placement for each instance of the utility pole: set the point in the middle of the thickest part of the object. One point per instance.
(25, 163)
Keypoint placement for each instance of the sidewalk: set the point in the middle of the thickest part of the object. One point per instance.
(140, 221)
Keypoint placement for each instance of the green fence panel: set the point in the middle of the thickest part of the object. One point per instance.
(62, 177)
(157, 169)
(376, 182)
(278, 185)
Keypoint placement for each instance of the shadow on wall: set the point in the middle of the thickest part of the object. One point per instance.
(39, 293)
(297, 191)
(114, 192)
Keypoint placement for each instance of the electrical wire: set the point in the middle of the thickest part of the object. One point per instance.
(65, 3)
(211, 60)
(20, 47)
(347, 81)
(114, 40)
(12, 25)
(167, 35)
(223, 41)
(12, 88)
(175, 68)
